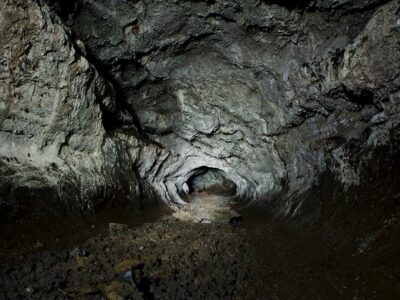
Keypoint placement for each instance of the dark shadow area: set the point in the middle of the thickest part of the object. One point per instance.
(63, 8)
(208, 2)
(346, 236)
(112, 114)
(36, 227)
(290, 4)
(361, 97)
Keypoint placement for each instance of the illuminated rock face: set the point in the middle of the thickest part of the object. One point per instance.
(122, 94)
(54, 147)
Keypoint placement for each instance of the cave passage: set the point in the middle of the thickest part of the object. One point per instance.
(211, 181)
(199, 149)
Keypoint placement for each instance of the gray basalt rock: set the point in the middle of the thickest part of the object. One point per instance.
(267, 92)
(54, 147)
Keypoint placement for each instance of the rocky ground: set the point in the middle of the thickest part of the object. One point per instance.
(223, 255)
(208, 208)
(168, 259)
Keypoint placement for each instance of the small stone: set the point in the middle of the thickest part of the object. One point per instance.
(38, 244)
(126, 265)
(379, 119)
(121, 290)
(82, 261)
(205, 221)
(115, 228)
(78, 251)
(236, 220)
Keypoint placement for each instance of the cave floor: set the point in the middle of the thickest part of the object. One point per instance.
(207, 208)
(161, 257)
(303, 266)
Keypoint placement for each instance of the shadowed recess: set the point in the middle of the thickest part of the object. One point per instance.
(212, 181)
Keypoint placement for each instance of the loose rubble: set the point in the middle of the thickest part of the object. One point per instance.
(168, 259)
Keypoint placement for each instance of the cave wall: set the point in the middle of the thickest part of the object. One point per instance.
(112, 97)
(54, 148)
(266, 92)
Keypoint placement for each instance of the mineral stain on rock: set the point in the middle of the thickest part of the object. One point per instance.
(189, 149)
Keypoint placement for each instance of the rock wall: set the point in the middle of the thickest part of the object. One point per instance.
(54, 148)
(109, 94)
(267, 92)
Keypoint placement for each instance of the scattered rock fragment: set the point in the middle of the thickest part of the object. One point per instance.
(174, 263)
(126, 265)
(115, 228)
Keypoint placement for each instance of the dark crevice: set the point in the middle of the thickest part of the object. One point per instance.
(361, 97)
(63, 9)
(208, 2)
(221, 17)
(290, 4)
(110, 118)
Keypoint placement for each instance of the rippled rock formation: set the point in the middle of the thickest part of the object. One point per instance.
(104, 99)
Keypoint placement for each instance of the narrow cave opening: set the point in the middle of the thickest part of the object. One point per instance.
(211, 181)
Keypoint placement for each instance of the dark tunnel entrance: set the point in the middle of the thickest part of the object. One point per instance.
(211, 181)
